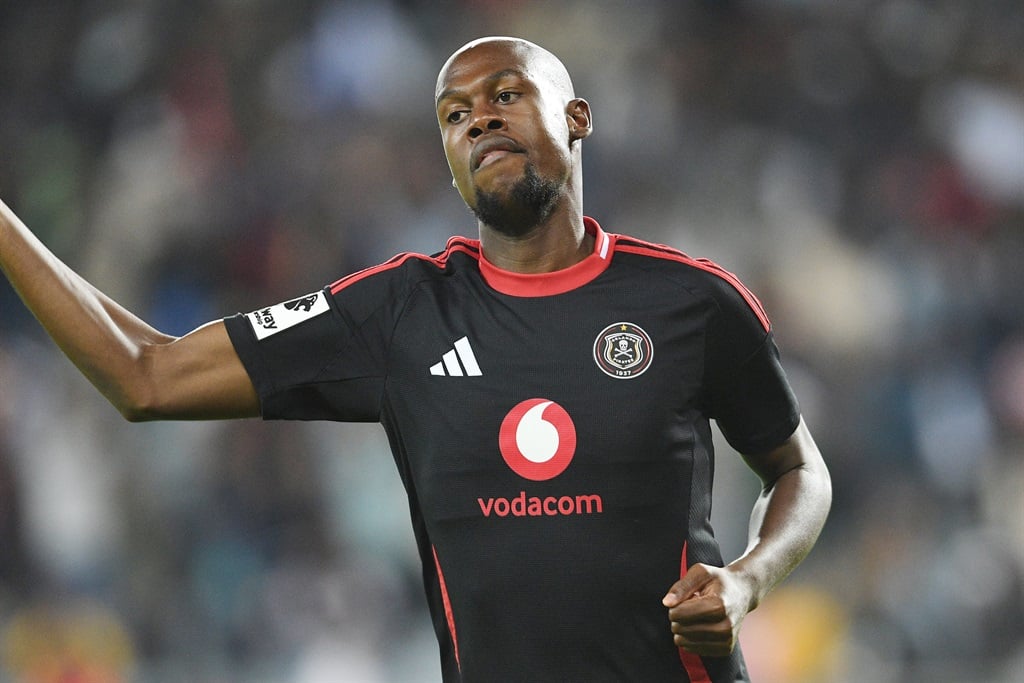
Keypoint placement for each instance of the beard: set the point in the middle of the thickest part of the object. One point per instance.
(528, 204)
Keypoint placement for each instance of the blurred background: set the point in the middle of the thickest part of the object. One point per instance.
(860, 165)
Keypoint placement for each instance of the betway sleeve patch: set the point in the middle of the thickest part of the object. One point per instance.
(269, 321)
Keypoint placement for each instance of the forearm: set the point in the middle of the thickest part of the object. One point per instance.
(786, 520)
(101, 338)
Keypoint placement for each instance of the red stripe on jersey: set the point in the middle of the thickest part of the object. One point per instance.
(455, 244)
(695, 669)
(448, 614)
(634, 246)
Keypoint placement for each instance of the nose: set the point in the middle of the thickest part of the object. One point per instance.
(484, 123)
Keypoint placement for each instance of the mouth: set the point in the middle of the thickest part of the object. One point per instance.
(491, 150)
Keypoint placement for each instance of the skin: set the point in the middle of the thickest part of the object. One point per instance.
(144, 373)
(512, 102)
(707, 606)
(503, 105)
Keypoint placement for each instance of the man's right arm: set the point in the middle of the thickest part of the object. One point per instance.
(144, 373)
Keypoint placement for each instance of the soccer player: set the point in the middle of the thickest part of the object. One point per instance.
(547, 391)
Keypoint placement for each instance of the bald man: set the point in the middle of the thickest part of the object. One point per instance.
(547, 390)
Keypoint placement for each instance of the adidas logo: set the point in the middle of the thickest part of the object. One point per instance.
(450, 366)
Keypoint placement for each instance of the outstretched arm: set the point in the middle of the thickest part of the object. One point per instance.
(144, 373)
(708, 605)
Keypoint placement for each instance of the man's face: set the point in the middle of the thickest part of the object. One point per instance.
(506, 134)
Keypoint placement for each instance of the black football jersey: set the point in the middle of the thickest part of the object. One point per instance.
(552, 432)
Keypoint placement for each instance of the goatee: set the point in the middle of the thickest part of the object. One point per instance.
(528, 204)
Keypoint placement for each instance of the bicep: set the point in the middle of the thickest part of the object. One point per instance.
(197, 376)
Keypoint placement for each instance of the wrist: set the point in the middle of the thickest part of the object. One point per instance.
(754, 582)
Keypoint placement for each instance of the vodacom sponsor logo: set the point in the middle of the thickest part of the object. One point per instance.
(537, 440)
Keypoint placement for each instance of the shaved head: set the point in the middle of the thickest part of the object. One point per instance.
(511, 127)
(540, 64)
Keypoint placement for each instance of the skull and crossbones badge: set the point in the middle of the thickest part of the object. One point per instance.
(623, 350)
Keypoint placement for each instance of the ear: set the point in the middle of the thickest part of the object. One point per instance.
(577, 113)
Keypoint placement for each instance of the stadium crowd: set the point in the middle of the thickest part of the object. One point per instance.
(860, 165)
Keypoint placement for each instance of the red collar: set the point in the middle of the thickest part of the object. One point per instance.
(559, 281)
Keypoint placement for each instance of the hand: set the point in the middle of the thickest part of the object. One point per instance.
(706, 608)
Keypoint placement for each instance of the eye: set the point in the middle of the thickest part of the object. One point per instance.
(507, 96)
(455, 116)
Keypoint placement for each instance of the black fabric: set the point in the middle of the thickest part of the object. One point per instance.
(559, 578)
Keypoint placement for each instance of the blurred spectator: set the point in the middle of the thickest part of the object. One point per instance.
(860, 165)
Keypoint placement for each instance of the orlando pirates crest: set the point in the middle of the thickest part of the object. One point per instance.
(623, 350)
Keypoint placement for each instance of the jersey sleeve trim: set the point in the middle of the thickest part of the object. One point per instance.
(455, 244)
(632, 245)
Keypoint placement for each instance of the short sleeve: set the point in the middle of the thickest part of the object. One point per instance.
(746, 387)
(322, 356)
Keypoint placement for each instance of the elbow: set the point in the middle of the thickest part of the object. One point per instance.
(819, 494)
(824, 481)
(137, 406)
(138, 398)
(132, 415)
(817, 483)
(137, 413)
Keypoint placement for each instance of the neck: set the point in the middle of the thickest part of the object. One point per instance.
(555, 244)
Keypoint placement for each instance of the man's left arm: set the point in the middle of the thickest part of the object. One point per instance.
(707, 606)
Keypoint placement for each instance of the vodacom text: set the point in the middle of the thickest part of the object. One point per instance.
(537, 440)
(536, 506)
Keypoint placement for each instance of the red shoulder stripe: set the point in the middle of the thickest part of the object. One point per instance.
(634, 246)
(455, 244)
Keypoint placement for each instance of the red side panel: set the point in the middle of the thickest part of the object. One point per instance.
(691, 662)
(447, 607)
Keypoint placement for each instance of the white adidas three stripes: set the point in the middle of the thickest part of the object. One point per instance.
(449, 365)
